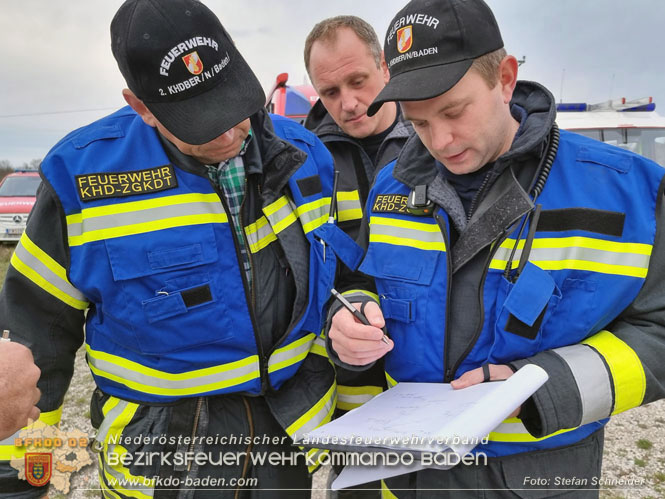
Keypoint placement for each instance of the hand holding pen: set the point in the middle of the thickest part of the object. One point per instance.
(357, 313)
(358, 337)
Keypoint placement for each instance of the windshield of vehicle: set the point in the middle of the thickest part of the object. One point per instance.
(649, 142)
(20, 186)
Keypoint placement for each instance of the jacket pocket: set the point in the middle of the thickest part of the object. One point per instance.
(166, 291)
(524, 307)
(403, 281)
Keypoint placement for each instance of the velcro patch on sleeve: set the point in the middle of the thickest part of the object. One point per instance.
(310, 185)
(114, 185)
(390, 203)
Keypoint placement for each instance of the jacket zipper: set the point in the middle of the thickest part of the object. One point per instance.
(478, 195)
(479, 330)
(263, 359)
(447, 376)
(249, 298)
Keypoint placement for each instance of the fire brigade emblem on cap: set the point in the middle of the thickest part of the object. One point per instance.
(404, 38)
(431, 44)
(179, 60)
(193, 63)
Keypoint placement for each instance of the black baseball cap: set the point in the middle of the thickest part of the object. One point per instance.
(431, 44)
(179, 60)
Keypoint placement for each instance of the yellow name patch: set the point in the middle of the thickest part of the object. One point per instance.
(390, 203)
(114, 185)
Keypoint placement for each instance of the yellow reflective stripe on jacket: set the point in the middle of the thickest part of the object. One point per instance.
(313, 214)
(386, 493)
(117, 415)
(580, 253)
(259, 235)
(319, 347)
(138, 217)
(280, 214)
(390, 380)
(626, 368)
(319, 414)
(31, 261)
(315, 456)
(145, 379)
(7, 449)
(424, 236)
(348, 206)
(290, 354)
(351, 293)
(350, 397)
(512, 430)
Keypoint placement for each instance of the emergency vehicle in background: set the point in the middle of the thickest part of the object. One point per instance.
(632, 125)
(291, 101)
(18, 192)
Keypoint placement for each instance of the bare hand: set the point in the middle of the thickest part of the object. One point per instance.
(18, 388)
(475, 376)
(356, 343)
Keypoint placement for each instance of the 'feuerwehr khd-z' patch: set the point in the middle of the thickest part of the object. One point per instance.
(113, 185)
(390, 203)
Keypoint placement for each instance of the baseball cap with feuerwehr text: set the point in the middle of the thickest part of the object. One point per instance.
(431, 44)
(179, 60)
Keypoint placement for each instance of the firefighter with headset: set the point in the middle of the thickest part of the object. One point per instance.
(497, 241)
(194, 246)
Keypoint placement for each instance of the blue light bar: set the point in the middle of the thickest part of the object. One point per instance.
(567, 107)
(645, 107)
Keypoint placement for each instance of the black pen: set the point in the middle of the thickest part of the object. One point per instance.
(356, 313)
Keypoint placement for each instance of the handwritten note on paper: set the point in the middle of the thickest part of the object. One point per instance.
(429, 416)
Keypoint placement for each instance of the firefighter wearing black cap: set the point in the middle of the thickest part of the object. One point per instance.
(194, 246)
(506, 243)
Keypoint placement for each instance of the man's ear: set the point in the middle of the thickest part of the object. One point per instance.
(508, 77)
(384, 68)
(137, 105)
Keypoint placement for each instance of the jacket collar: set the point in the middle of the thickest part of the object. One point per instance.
(322, 124)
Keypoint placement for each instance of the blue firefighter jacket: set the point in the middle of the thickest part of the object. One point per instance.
(589, 260)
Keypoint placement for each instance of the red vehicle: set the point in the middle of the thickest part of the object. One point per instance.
(17, 197)
(291, 101)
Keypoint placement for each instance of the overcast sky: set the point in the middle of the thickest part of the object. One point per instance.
(56, 54)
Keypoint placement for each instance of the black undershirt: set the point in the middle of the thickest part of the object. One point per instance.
(372, 144)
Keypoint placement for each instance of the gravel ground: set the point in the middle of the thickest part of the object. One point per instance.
(634, 448)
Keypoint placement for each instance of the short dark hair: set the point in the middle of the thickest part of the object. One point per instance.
(488, 66)
(326, 30)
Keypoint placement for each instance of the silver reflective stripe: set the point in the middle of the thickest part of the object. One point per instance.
(593, 381)
(281, 218)
(153, 214)
(10, 439)
(351, 204)
(512, 429)
(47, 274)
(427, 233)
(163, 386)
(309, 216)
(319, 417)
(287, 354)
(108, 421)
(259, 235)
(135, 485)
(354, 399)
(578, 253)
(320, 342)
